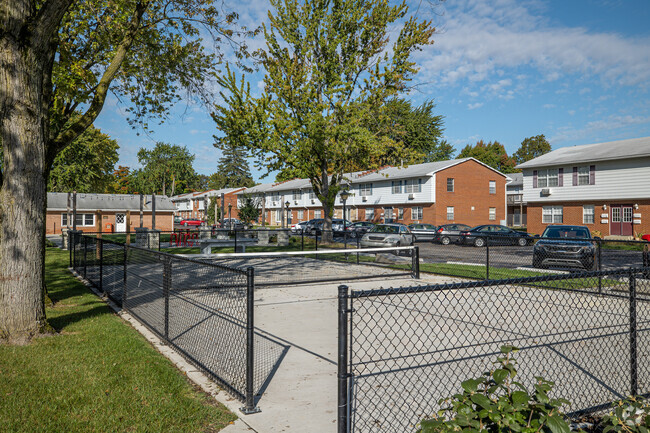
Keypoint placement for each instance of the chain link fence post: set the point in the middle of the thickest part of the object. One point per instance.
(343, 376)
(416, 263)
(599, 244)
(487, 257)
(167, 282)
(124, 282)
(85, 242)
(100, 247)
(250, 407)
(634, 380)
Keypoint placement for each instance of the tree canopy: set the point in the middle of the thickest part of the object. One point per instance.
(532, 147)
(233, 170)
(86, 165)
(330, 67)
(418, 128)
(166, 169)
(492, 154)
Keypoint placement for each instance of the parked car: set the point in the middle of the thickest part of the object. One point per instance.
(564, 245)
(495, 235)
(423, 232)
(358, 229)
(299, 227)
(337, 225)
(232, 224)
(191, 222)
(448, 233)
(309, 227)
(387, 235)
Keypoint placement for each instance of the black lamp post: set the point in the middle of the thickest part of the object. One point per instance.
(344, 198)
(229, 216)
(286, 205)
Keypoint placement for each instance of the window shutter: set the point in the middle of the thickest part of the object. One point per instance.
(575, 176)
(534, 178)
(560, 177)
(592, 175)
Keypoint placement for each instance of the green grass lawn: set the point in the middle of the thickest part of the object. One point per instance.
(97, 374)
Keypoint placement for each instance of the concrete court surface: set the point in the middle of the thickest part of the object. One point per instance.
(301, 395)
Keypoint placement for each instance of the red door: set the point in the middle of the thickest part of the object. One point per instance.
(622, 220)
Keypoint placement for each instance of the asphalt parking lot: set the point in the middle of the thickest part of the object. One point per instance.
(513, 257)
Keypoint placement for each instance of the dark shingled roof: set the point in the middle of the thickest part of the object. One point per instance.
(107, 202)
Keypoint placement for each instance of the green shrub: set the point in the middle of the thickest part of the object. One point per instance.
(630, 415)
(495, 402)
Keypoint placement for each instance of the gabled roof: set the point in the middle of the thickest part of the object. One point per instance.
(417, 170)
(107, 202)
(517, 179)
(611, 150)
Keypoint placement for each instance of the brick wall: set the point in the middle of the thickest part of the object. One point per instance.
(164, 221)
(471, 198)
(572, 215)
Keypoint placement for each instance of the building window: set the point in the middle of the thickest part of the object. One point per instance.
(312, 194)
(370, 214)
(413, 186)
(317, 213)
(301, 214)
(541, 178)
(493, 187)
(396, 186)
(365, 189)
(552, 179)
(583, 175)
(450, 213)
(450, 184)
(83, 219)
(552, 214)
(493, 214)
(388, 213)
(416, 213)
(588, 214)
(400, 213)
(296, 194)
(278, 215)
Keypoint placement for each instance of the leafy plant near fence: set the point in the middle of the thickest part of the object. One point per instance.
(495, 402)
(631, 415)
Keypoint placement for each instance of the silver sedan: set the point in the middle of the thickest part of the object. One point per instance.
(387, 235)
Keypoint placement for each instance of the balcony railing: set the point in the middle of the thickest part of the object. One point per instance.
(515, 199)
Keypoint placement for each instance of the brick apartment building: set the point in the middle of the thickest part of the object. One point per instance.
(455, 191)
(603, 186)
(195, 204)
(109, 213)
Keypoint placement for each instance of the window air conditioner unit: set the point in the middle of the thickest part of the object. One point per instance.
(275, 203)
(364, 198)
(295, 202)
(411, 196)
(546, 192)
(313, 201)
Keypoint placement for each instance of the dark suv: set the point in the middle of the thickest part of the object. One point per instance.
(565, 246)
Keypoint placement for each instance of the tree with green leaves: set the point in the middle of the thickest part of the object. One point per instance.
(60, 59)
(233, 170)
(121, 181)
(330, 67)
(532, 147)
(86, 165)
(417, 127)
(166, 169)
(492, 154)
(250, 209)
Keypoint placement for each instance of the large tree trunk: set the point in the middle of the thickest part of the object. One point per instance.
(24, 72)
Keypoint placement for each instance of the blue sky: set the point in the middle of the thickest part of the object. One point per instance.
(577, 71)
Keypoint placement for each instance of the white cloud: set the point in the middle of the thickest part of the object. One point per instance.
(481, 38)
(474, 106)
(548, 106)
(600, 130)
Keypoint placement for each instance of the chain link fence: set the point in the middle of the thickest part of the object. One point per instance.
(401, 350)
(520, 257)
(204, 310)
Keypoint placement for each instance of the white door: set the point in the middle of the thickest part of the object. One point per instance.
(120, 223)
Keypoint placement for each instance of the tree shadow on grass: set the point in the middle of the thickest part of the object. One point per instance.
(59, 323)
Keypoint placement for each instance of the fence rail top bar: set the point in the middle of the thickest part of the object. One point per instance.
(182, 257)
(484, 283)
(297, 253)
